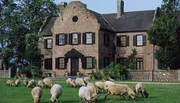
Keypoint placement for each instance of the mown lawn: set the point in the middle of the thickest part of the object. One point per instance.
(158, 94)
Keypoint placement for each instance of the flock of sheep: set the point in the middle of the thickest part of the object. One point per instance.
(88, 91)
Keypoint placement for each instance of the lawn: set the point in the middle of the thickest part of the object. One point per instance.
(158, 94)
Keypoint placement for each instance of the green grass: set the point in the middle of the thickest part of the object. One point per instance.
(158, 94)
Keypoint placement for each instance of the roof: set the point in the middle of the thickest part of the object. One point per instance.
(131, 21)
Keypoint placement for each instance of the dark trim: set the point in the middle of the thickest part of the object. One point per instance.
(131, 31)
(47, 35)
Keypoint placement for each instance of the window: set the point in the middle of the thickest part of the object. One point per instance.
(89, 62)
(60, 63)
(89, 38)
(121, 61)
(106, 62)
(123, 41)
(48, 64)
(139, 40)
(48, 43)
(139, 64)
(61, 39)
(75, 38)
(106, 39)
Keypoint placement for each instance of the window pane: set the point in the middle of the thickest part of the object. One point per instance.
(123, 41)
(140, 40)
(61, 39)
(89, 62)
(75, 38)
(49, 43)
(139, 63)
(88, 38)
(61, 63)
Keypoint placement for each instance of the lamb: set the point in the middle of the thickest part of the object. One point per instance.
(56, 92)
(25, 82)
(31, 84)
(41, 84)
(10, 83)
(140, 88)
(17, 82)
(80, 82)
(48, 82)
(121, 90)
(85, 93)
(94, 91)
(36, 94)
(68, 81)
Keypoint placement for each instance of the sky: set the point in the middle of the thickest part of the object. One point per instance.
(109, 6)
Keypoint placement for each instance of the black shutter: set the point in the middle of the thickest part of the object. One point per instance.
(45, 43)
(57, 63)
(93, 62)
(66, 38)
(118, 41)
(66, 61)
(135, 40)
(127, 40)
(79, 38)
(45, 63)
(83, 59)
(57, 39)
(70, 38)
(93, 38)
(84, 38)
(144, 40)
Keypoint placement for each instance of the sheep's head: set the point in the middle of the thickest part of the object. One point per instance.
(131, 93)
(94, 98)
(146, 94)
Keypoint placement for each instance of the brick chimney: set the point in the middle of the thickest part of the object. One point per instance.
(120, 8)
(62, 5)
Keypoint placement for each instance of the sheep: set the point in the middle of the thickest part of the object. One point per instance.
(80, 82)
(48, 82)
(121, 90)
(72, 83)
(10, 83)
(25, 82)
(140, 88)
(36, 94)
(86, 79)
(31, 84)
(107, 83)
(94, 91)
(85, 93)
(56, 92)
(41, 84)
(68, 81)
(17, 82)
(100, 85)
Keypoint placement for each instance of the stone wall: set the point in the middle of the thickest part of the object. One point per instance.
(4, 73)
(157, 75)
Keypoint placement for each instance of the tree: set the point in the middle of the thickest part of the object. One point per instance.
(164, 34)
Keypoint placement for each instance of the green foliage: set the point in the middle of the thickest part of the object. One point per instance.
(131, 60)
(164, 34)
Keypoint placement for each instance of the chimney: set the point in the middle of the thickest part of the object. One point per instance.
(120, 8)
(62, 5)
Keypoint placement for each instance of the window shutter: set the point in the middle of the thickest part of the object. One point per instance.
(93, 38)
(66, 61)
(84, 38)
(57, 63)
(135, 40)
(144, 40)
(127, 40)
(45, 63)
(57, 39)
(118, 41)
(45, 43)
(83, 62)
(70, 38)
(93, 65)
(79, 38)
(66, 38)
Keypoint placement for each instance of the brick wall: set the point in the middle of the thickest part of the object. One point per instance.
(4, 74)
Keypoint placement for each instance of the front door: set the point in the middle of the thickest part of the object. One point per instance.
(74, 66)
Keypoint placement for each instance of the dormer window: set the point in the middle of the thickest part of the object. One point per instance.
(48, 43)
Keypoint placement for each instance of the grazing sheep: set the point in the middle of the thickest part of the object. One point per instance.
(36, 94)
(80, 82)
(17, 82)
(56, 91)
(48, 82)
(31, 84)
(107, 83)
(121, 90)
(72, 83)
(85, 93)
(140, 88)
(100, 85)
(68, 81)
(10, 83)
(41, 84)
(94, 91)
(25, 82)
(86, 79)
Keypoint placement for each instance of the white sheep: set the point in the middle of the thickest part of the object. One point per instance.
(31, 84)
(10, 83)
(86, 79)
(72, 83)
(25, 82)
(94, 91)
(17, 82)
(121, 90)
(41, 84)
(48, 82)
(85, 93)
(140, 88)
(56, 92)
(68, 81)
(100, 85)
(107, 83)
(36, 94)
(80, 82)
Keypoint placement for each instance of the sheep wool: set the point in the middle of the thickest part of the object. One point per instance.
(85, 93)
(36, 94)
(48, 82)
(56, 92)
(17, 82)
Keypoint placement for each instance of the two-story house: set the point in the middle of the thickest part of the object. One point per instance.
(82, 40)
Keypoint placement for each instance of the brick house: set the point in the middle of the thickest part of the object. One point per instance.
(79, 36)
